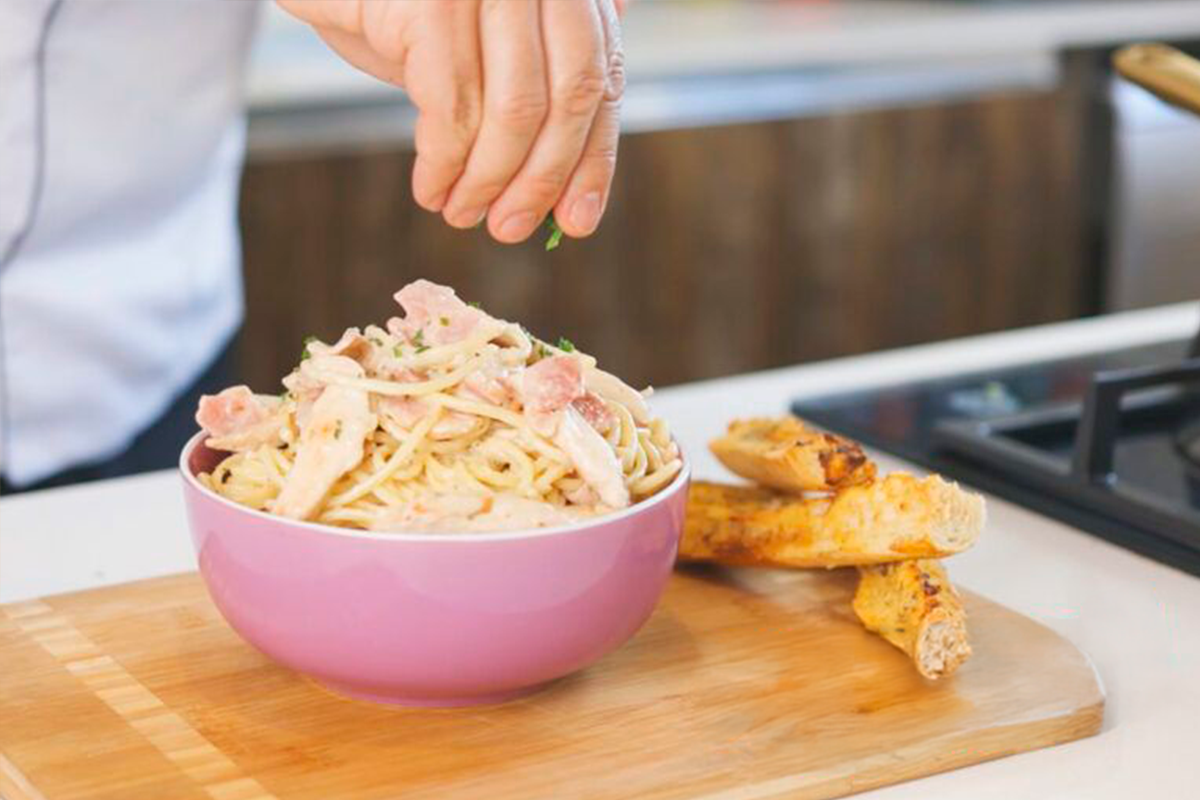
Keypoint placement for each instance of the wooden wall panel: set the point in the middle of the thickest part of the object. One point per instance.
(724, 250)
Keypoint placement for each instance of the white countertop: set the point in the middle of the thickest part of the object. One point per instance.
(1138, 620)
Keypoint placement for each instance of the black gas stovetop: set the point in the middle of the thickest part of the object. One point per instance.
(1108, 443)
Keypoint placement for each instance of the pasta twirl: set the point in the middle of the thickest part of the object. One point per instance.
(445, 419)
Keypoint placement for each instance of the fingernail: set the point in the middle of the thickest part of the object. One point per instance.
(437, 203)
(585, 212)
(470, 218)
(518, 226)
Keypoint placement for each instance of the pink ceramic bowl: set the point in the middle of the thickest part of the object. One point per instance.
(428, 619)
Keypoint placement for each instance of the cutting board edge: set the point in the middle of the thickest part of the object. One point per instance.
(1075, 725)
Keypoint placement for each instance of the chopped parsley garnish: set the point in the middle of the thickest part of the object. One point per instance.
(376, 341)
(556, 233)
(337, 432)
(304, 354)
(418, 340)
(398, 351)
(444, 321)
(542, 351)
(474, 304)
(565, 344)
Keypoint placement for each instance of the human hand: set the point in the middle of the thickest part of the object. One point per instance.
(518, 101)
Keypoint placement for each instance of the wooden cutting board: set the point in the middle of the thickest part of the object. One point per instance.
(744, 684)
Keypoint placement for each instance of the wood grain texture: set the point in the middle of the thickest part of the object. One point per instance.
(724, 249)
(744, 684)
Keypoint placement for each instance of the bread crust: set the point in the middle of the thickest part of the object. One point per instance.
(896, 518)
(786, 454)
(913, 605)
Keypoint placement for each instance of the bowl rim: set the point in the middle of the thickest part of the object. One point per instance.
(661, 496)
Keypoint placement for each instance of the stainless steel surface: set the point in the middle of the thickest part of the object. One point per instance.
(1155, 254)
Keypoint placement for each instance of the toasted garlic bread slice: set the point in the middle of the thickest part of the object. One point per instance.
(784, 453)
(913, 606)
(899, 517)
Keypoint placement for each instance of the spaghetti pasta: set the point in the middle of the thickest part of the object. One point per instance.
(448, 420)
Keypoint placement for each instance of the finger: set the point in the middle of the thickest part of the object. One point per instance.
(338, 16)
(573, 39)
(358, 53)
(444, 80)
(373, 38)
(514, 107)
(579, 210)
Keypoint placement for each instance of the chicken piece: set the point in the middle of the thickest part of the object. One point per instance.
(404, 412)
(509, 512)
(495, 390)
(582, 495)
(438, 512)
(236, 419)
(912, 605)
(593, 458)
(593, 409)
(331, 444)
(788, 455)
(516, 345)
(316, 367)
(900, 517)
(610, 387)
(468, 513)
(434, 315)
(453, 424)
(372, 350)
(380, 360)
(493, 382)
(308, 381)
(352, 345)
(548, 387)
(551, 384)
(548, 392)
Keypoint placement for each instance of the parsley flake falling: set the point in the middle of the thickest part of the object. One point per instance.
(565, 344)
(304, 354)
(556, 233)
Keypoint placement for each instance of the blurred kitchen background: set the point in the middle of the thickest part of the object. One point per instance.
(797, 180)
